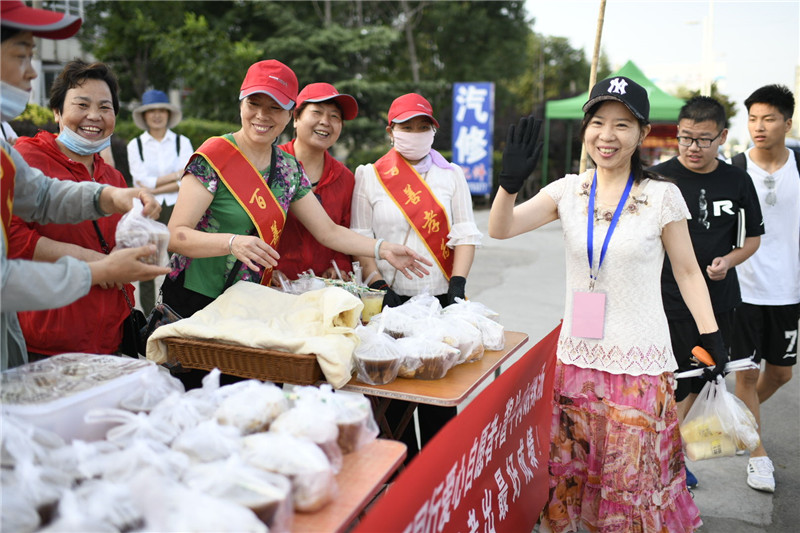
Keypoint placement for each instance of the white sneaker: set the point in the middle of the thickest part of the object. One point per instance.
(759, 474)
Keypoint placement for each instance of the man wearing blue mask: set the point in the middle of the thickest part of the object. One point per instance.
(29, 194)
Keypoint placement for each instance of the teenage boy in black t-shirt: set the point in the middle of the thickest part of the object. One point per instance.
(714, 192)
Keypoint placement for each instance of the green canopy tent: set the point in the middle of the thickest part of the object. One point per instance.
(663, 108)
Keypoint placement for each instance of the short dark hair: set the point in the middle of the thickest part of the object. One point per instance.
(778, 96)
(702, 109)
(7, 32)
(637, 167)
(75, 74)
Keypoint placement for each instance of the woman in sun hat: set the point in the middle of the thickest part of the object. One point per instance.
(318, 121)
(614, 379)
(156, 159)
(448, 236)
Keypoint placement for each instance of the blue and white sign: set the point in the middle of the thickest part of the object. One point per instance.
(473, 126)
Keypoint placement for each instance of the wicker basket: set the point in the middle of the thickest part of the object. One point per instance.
(245, 361)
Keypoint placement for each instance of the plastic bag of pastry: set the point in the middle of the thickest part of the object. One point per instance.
(393, 321)
(357, 426)
(718, 424)
(426, 358)
(492, 333)
(185, 411)
(17, 512)
(314, 421)
(132, 426)
(376, 358)
(20, 441)
(267, 494)
(134, 230)
(122, 465)
(302, 461)
(422, 306)
(471, 307)
(208, 441)
(169, 506)
(252, 407)
(157, 387)
(41, 486)
(97, 505)
(464, 336)
(69, 458)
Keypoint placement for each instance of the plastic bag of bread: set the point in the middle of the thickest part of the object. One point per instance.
(158, 387)
(314, 421)
(492, 333)
(426, 358)
(208, 441)
(134, 230)
(185, 411)
(124, 464)
(376, 358)
(464, 336)
(170, 506)
(421, 306)
(302, 461)
(394, 321)
(132, 426)
(40, 486)
(267, 494)
(20, 440)
(357, 425)
(252, 406)
(17, 512)
(97, 505)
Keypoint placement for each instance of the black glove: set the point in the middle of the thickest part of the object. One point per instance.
(391, 298)
(521, 153)
(456, 289)
(715, 346)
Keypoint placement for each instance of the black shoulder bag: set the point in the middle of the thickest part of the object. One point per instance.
(132, 342)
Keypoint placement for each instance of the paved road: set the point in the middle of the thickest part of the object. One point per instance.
(523, 280)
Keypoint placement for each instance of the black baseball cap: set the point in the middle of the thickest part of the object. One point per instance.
(623, 90)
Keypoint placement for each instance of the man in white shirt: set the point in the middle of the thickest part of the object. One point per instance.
(767, 321)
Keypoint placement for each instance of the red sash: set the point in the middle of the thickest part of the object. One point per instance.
(8, 171)
(418, 204)
(249, 188)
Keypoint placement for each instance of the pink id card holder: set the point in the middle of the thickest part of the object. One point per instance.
(588, 314)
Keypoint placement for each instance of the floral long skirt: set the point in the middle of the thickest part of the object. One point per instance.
(616, 461)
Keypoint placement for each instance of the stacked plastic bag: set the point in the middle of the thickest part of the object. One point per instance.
(421, 340)
(242, 457)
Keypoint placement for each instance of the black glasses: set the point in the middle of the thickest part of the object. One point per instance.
(701, 143)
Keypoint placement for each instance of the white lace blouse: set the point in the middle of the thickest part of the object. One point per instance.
(636, 337)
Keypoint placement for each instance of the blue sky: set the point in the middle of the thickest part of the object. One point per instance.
(753, 43)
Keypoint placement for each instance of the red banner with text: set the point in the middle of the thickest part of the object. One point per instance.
(486, 471)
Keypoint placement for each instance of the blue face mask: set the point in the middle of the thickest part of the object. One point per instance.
(12, 101)
(82, 146)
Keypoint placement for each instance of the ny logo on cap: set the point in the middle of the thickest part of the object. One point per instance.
(617, 85)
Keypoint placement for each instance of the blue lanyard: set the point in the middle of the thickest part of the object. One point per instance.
(590, 229)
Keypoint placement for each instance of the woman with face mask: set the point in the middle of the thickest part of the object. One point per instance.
(414, 196)
(85, 104)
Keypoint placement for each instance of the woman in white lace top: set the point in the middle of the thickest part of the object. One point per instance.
(613, 393)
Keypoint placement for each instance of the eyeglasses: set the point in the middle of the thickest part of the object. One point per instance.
(771, 198)
(701, 143)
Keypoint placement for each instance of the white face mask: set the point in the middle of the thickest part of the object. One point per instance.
(12, 101)
(413, 146)
(81, 145)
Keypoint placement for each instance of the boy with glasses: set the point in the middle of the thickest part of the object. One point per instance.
(715, 192)
(767, 321)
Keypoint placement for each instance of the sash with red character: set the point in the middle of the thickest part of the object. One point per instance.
(8, 171)
(418, 204)
(249, 188)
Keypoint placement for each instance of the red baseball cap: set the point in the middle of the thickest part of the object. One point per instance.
(273, 78)
(409, 106)
(42, 23)
(322, 92)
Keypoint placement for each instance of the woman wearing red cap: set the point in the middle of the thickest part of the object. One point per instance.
(415, 196)
(614, 384)
(318, 119)
(234, 196)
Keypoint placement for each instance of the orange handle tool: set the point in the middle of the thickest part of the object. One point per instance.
(702, 355)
